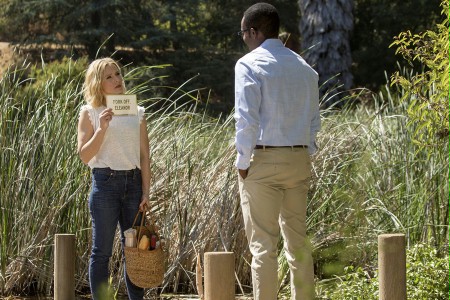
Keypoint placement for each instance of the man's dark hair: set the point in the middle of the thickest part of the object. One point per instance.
(263, 17)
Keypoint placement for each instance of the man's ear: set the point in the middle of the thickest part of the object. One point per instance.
(257, 35)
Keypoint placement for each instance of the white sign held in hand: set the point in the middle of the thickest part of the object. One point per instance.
(122, 104)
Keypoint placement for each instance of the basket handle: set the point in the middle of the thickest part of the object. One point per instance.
(137, 215)
(142, 224)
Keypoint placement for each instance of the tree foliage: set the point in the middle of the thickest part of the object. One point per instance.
(83, 23)
(376, 22)
(198, 37)
(428, 91)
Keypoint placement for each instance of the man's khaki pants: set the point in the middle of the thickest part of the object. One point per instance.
(274, 196)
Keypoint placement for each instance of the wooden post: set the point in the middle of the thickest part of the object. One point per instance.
(392, 266)
(219, 276)
(64, 267)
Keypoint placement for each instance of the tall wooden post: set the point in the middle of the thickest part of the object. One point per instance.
(392, 266)
(219, 275)
(64, 267)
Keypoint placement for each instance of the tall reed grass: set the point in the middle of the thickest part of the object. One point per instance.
(368, 179)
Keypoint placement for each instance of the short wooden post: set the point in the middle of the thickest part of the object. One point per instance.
(392, 266)
(64, 267)
(219, 275)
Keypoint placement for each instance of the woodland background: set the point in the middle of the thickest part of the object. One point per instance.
(198, 37)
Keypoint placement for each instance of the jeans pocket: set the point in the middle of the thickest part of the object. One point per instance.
(102, 179)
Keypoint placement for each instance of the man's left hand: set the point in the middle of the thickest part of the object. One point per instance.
(243, 173)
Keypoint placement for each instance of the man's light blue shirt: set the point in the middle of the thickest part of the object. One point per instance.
(276, 100)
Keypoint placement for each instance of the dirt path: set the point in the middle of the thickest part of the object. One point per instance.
(6, 56)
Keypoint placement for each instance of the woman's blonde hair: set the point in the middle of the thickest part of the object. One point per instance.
(92, 87)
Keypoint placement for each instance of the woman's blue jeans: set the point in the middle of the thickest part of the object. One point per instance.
(114, 198)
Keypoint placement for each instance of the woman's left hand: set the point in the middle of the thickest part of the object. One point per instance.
(144, 203)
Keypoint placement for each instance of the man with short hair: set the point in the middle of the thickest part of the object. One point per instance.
(277, 119)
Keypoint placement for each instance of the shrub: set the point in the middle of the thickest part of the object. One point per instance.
(427, 92)
(426, 278)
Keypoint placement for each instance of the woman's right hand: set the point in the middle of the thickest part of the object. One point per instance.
(105, 117)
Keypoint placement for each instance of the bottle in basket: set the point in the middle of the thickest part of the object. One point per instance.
(130, 237)
(153, 242)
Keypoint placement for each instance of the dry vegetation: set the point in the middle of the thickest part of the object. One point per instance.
(6, 57)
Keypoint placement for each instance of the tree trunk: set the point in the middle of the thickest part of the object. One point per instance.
(325, 28)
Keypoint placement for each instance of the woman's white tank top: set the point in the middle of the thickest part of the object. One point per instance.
(121, 145)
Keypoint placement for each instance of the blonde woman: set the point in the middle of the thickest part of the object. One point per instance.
(116, 148)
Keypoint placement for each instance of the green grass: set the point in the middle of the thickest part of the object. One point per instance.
(369, 178)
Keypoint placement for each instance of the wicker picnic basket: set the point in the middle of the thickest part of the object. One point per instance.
(145, 268)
